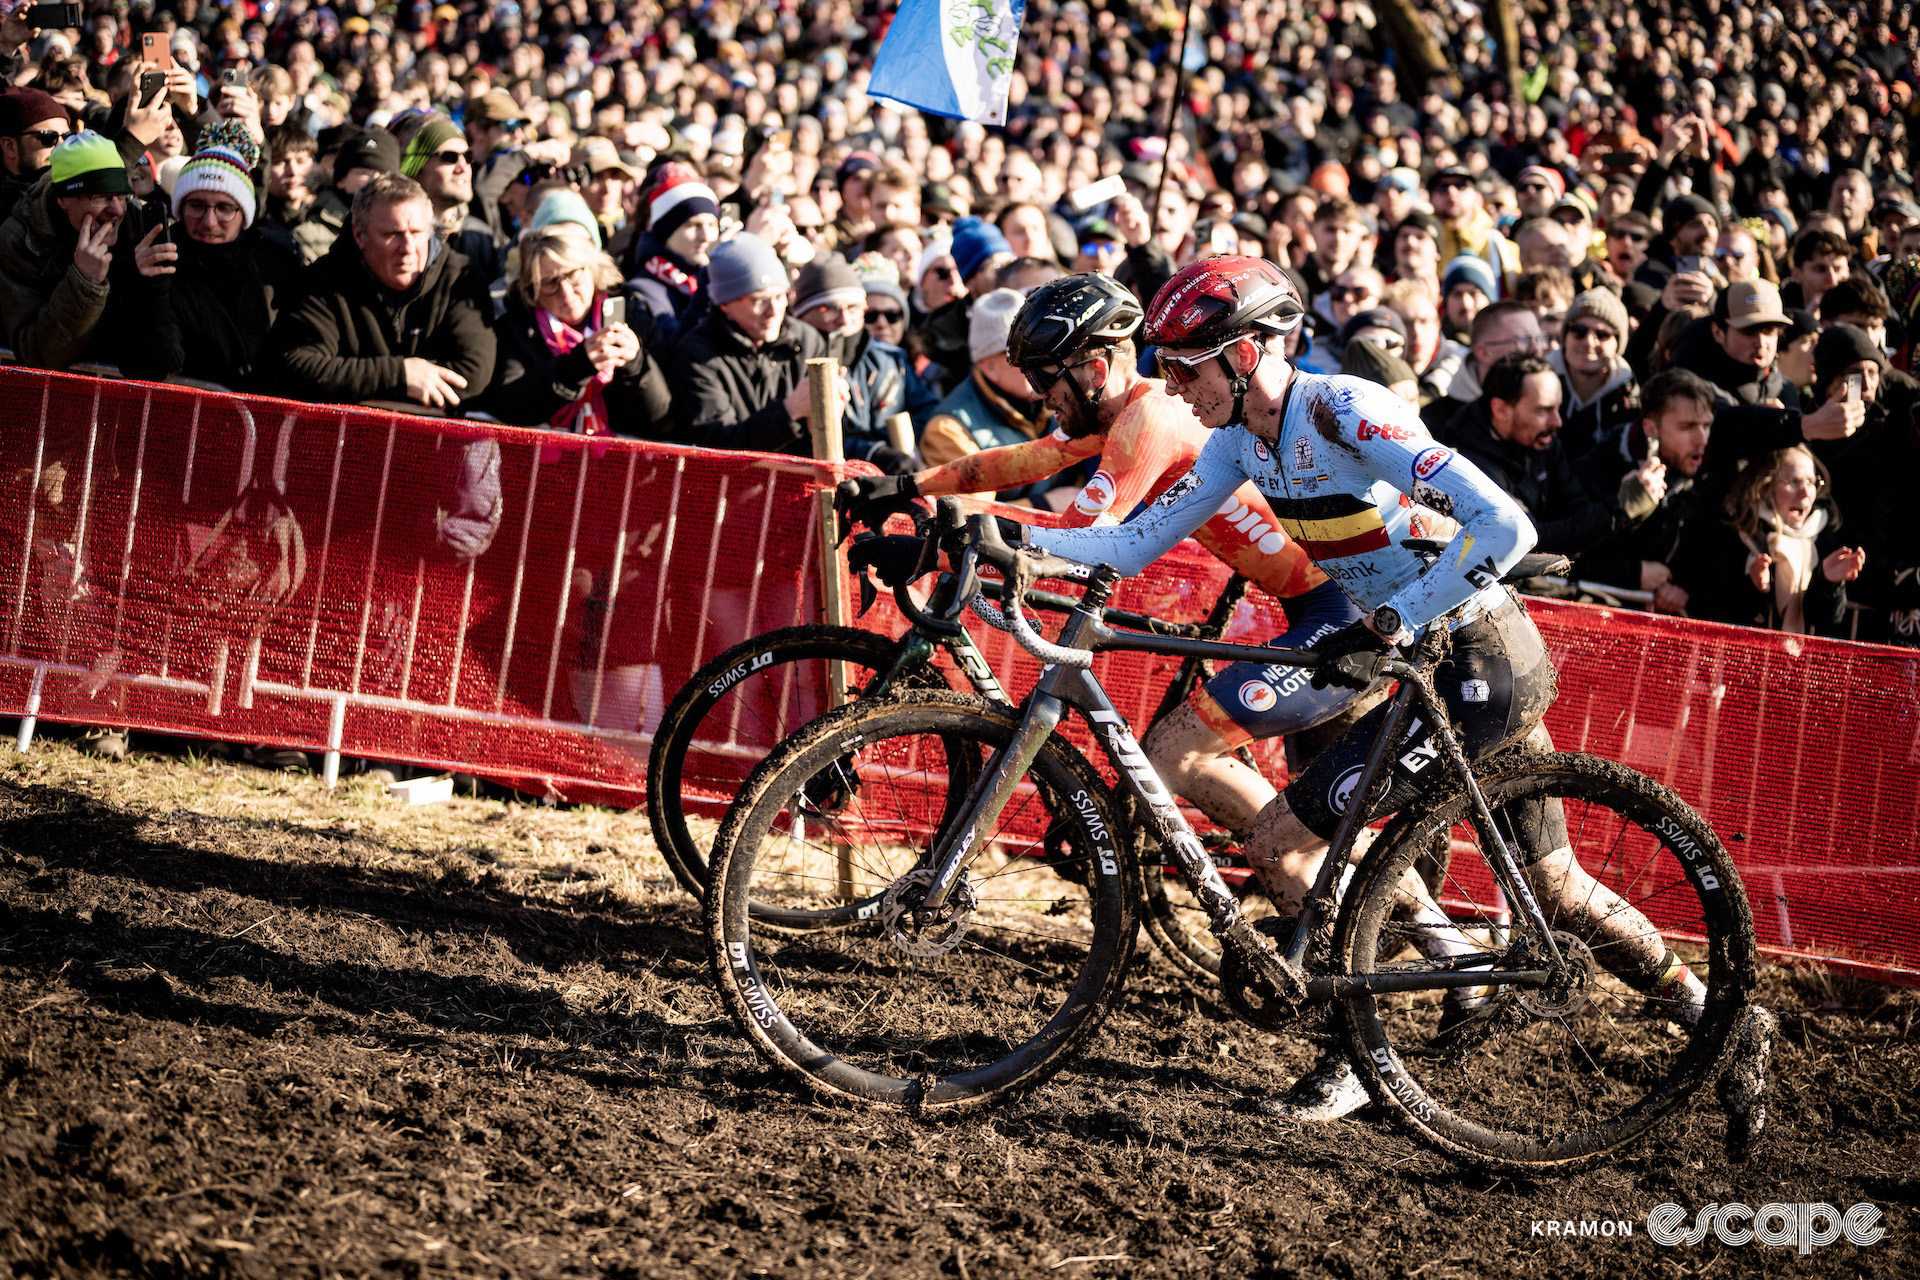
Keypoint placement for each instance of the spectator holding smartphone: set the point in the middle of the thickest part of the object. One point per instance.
(213, 287)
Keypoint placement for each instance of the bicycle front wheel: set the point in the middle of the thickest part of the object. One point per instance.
(979, 1001)
(733, 713)
(1542, 1076)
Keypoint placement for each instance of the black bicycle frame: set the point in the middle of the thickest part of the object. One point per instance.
(1060, 687)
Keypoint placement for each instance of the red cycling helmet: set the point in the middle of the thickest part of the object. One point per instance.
(1217, 299)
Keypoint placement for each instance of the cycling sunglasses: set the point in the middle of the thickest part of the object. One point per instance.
(1180, 370)
(1043, 380)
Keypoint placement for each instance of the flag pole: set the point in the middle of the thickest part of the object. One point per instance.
(1173, 112)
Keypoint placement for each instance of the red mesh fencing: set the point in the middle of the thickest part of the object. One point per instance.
(521, 605)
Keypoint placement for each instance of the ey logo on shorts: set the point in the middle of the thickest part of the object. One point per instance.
(1258, 695)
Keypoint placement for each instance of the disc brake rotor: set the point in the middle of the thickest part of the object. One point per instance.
(1573, 992)
(918, 931)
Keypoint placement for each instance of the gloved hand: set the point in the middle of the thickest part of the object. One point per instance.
(1349, 657)
(869, 500)
(896, 559)
(893, 461)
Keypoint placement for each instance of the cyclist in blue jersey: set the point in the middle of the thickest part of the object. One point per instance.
(1350, 471)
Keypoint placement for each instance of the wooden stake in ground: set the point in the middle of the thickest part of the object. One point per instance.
(823, 424)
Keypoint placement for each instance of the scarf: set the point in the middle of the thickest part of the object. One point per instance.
(586, 416)
(1794, 561)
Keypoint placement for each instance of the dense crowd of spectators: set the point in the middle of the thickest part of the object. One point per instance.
(1663, 296)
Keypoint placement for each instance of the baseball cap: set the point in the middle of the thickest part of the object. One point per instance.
(496, 106)
(599, 155)
(1747, 304)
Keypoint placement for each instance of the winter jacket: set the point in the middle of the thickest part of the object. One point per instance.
(881, 382)
(1711, 565)
(1615, 560)
(53, 312)
(348, 339)
(1605, 421)
(1438, 376)
(209, 319)
(531, 384)
(729, 394)
(673, 288)
(1875, 478)
(1568, 518)
(975, 416)
(1441, 414)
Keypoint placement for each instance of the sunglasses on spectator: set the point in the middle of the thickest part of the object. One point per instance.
(449, 156)
(1730, 255)
(1450, 184)
(1180, 370)
(877, 315)
(46, 137)
(941, 273)
(1533, 186)
(1595, 332)
(1100, 248)
(1349, 292)
(1631, 237)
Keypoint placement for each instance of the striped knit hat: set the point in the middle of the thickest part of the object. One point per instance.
(224, 164)
(677, 195)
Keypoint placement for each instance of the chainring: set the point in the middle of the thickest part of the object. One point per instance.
(1253, 999)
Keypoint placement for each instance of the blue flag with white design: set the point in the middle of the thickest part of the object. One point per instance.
(950, 57)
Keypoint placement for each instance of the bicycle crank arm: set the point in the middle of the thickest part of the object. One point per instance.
(1261, 957)
(1338, 986)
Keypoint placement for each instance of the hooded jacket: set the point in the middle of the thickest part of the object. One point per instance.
(1603, 421)
(348, 339)
(730, 394)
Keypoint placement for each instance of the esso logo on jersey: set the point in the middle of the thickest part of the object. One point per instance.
(1258, 695)
(1097, 495)
(1431, 462)
(1383, 431)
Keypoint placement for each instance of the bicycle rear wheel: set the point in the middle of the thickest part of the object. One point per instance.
(1540, 1076)
(733, 713)
(985, 1001)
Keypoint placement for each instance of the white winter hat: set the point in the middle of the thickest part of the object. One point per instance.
(992, 320)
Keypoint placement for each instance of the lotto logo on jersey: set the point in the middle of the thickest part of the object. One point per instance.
(1097, 496)
(1383, 431)
(1431, 462)
(1258, 695)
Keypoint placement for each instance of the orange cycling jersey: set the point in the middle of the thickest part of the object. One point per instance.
(1149, 448)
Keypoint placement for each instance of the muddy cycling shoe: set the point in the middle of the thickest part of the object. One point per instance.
(108, 744)
(1743, 1086)
(1328, 1092)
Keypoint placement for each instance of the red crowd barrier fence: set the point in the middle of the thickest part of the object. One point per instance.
(521, 605)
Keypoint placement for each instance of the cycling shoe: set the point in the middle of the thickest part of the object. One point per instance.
(1331, 1090)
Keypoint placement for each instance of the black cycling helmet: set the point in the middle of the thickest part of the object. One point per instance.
(1065, 317)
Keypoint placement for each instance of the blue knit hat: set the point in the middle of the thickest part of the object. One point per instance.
(1469, 268)
(974, 241)
(565, 205)
(741, 266)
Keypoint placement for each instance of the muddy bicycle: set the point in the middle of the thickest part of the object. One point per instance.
(744, 702)
(946, 915)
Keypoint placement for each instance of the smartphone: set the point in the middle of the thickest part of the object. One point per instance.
(233, 78)
(1689, 262)
(152, 85)
(1856, 388)
(613, 311)
(155, 52)
(1653, 450)
(54, 17)
(1097, 193)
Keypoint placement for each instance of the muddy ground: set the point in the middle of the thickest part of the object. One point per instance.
(249, 1028)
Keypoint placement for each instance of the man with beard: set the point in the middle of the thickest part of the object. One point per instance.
(1073, 340)
(56, 250)
(436, 156)
(880, 377)
(32, 124)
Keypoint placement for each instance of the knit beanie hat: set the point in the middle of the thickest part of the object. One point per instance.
(829, 278)
(565, 205)
(678, 194)
(992, 321)
(374, 149)
(881, 287)
(1555, 180)
(1684, 209)
(975, 241)
(1603, 305)
(86, 164)
(743, 265)
(224, 165)
(1841, 345)
(1363, 359)
(23, 107)
(874, 265)
(434, 134)
(1469, 268)
(1371, 318)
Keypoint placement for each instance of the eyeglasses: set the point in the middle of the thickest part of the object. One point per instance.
(448, 156)
(1592, 332)
(877, 316)
(225, 211)
(1043, 380)
(1451, 184)
(1180, 370)
(1525, 342)
(551, 286)
(46, 137)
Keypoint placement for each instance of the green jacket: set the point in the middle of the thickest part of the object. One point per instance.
(51, 310)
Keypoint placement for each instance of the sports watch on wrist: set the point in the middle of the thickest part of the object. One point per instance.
(1389, 625)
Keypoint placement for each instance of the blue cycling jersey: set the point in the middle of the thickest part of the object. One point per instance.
(1354, 473)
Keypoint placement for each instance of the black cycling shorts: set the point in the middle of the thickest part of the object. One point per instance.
(1497, 682)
